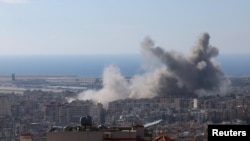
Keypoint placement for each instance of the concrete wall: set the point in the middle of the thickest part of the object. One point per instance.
(75, 136)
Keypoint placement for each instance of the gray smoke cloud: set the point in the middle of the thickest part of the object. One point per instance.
(166, 73)
(195, 73)
(115, 87)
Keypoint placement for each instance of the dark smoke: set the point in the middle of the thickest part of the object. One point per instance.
(189, 74)
(167, 74)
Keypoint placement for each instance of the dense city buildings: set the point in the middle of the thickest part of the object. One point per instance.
(35, 105)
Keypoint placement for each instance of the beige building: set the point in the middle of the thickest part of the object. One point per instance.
(25, 137)
(96, 112)
(135, 133)
(5, 104)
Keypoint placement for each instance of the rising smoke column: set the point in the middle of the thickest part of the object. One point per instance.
(191, 74)
(115, 87)
(167, 73)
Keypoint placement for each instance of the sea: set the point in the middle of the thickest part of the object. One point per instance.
(93, 65)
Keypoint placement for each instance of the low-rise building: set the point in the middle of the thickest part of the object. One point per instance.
(135, 133)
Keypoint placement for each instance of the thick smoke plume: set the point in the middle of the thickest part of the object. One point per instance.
(170, 73)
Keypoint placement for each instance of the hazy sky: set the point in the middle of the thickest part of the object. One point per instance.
(119, 26)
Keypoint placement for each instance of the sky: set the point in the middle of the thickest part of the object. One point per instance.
(49, 27)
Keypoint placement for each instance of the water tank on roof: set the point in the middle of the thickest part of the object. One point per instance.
(86, 121)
